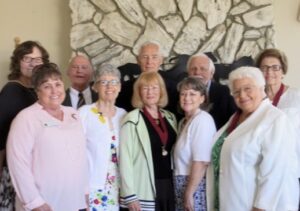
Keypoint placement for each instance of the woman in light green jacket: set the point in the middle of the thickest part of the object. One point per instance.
(147, 136)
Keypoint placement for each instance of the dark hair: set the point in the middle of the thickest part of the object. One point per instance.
(196, 84)
(43, 72)
(18, 54)
(276, 53)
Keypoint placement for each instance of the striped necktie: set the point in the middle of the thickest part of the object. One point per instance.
(81, 100)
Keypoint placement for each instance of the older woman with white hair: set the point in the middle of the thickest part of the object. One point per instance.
(101, 123)
(254, 161)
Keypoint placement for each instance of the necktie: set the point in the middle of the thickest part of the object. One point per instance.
(81, 100)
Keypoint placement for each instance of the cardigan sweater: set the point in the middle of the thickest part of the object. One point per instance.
(136, 162)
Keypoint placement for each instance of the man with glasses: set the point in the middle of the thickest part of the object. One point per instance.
(221, 104)
(80, 73)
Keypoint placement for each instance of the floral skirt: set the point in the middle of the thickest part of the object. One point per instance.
(108, 198)
(180, 184)
(7, 193)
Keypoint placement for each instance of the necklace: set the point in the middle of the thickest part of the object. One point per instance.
(162, 131)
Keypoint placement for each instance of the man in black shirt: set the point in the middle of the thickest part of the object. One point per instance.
(150, 58)
(221, 104)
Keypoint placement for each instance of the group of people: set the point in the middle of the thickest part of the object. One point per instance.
(148, 144)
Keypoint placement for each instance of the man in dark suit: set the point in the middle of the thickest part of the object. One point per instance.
(80, 73)
(150, 58)
(221, 104)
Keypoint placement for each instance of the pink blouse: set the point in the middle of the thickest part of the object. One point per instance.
(47, 159)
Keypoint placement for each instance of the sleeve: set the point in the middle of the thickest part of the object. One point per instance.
(21, 140)
(10, 104)
(83, 118)
(202, 132)
(274, 171)
(128, 138)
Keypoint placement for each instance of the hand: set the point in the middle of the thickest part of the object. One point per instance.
(188, 202)
(44, 207)
(134, 206)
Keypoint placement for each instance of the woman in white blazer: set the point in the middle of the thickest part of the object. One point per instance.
(254, 161)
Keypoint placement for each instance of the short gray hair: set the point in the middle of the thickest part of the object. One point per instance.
(152, 42)
(247, 72)
(106, 69)
(201, 55)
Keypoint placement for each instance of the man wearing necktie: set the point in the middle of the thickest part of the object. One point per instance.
(81, 100)
(80, 73)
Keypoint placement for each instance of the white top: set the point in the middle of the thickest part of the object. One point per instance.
(87, 95)
(47, 160)
(258, 164)
(289, 103)
(98, 136)
(194, 142)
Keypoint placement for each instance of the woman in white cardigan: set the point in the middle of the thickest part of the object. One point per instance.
(254, 161)
(101, 123)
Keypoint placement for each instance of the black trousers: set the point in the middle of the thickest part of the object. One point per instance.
(165, 198)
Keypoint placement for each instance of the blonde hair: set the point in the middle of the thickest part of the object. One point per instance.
(148, 78)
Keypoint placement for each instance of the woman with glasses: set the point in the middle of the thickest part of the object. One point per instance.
(101, 122)
(147, 136)
(254, 160)
(16, 95)
(274, 65)
(192, 151)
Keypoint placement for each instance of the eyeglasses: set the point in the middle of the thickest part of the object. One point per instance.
(106, 82)
(274, 68)
(36, 60)
(246, 89)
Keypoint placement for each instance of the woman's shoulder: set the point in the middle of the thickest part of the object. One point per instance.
(13, 88)
(68, 109)
(121, 111)
(292, 94)
(30, 111)
(87, 108)
(168, 114)
(132, 116)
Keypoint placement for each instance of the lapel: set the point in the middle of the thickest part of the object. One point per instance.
(144, 140)
(67, 100)
(94, 95)
(252, 121)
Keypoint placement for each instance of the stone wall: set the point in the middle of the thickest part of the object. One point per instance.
(112, 30)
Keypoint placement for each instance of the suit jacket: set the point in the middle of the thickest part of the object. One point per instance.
(222, 105)
(67, 101)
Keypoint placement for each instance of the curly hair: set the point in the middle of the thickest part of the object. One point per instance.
(18, 54)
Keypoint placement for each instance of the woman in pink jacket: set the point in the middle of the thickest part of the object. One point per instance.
(46, 149)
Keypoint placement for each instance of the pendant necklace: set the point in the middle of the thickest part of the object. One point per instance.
(161, 131)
